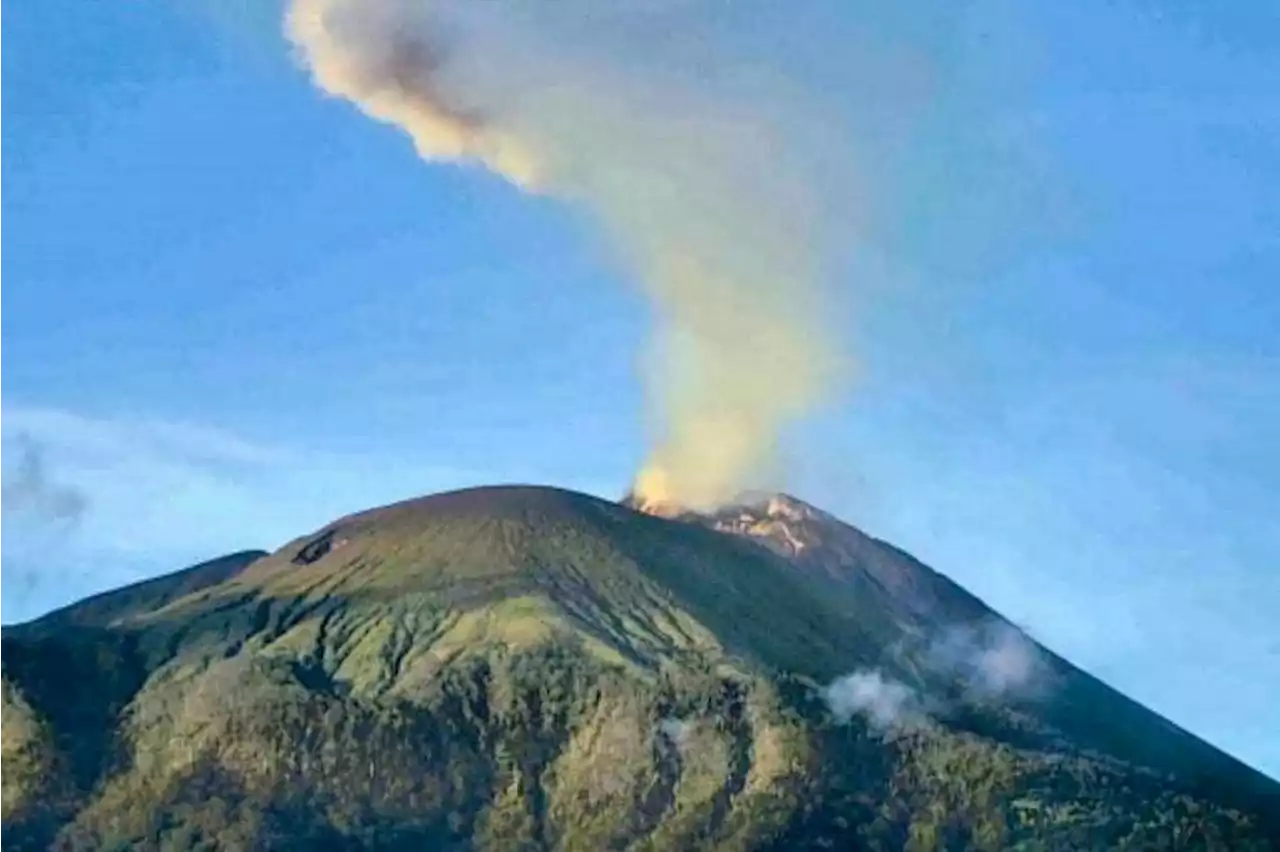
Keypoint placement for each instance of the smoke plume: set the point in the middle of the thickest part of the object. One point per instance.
(698, 192)
(31, 493)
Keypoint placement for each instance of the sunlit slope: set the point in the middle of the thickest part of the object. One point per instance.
(528, 668)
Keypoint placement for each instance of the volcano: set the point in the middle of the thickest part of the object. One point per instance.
(525, 668)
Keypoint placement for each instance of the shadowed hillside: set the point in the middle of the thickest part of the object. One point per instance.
(523, 668)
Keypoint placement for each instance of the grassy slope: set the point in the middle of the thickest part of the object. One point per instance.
(517, 669)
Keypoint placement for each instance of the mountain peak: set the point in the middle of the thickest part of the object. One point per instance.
(783, 523)
(817, 542)
(656, 507)
(749, 510)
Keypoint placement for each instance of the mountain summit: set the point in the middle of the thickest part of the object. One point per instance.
(820, 543)
(525, 668)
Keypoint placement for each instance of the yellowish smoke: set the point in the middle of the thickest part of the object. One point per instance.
(375, 53)
(694, 192)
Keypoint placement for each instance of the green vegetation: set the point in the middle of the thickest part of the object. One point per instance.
(527, 669)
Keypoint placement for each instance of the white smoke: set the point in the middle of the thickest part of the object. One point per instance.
(992, 660)
(887, 704)
(676, 731)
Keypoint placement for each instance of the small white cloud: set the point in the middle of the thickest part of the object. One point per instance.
(887, 704)
(677, 731)
(1010, 664)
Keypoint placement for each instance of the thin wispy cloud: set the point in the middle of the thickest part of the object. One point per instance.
(148, 495)
(175, 438)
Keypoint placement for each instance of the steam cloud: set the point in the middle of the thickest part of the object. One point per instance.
(993, 660)
(31, 493)
(886, 703)
(701, 197)
(675, 731)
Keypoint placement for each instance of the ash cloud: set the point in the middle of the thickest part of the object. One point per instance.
(699, 183)
(29, 492)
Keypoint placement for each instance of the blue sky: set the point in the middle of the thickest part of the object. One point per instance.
(237, 309)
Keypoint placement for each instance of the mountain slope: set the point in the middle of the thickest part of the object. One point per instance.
(927, 609)
(527, 668)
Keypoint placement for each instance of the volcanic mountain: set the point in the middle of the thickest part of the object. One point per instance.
(524, 668)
